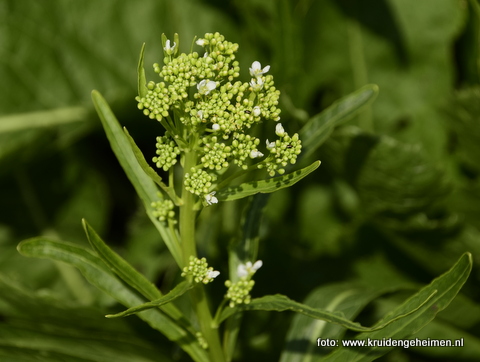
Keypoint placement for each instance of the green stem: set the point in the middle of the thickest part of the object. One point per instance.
(187, 213)
(198, 296)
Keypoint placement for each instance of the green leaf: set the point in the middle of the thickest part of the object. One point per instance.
(97, 273)
(142, 80)
(150, 171)
(347, 298)
(319, 127)
(446, 286)
(280, 303)
(144, 186)
(37, 326)
(176, 292)
(42, 119)
(132, 277)
(120, 266)
(265, 186)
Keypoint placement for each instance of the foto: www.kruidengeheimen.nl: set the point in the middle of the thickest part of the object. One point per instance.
(389, 342)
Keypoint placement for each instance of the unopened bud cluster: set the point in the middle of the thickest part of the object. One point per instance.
(239, 292)
(204, 108)
(200, 271)
(167, 151)
(199, 181)
(163, 210)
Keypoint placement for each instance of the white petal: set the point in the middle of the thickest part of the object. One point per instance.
(213, 274)
(200, 42)
(211, 85)
(215, 126)
(279, 130)
(255, 154)
(270, 145)
(256, 111)
(256, 66)
(210, 199)
(257, 265)
(242, 270)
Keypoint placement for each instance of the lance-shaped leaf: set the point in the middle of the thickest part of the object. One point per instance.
(176, 292)
(142, 80)
(349, 298)
(39, 328)
(150, 171)
(98, 274)
(120, 266)
(265, 186)
(129, 275)
(319, 127)
(143, 184)
(446, 286)
(280, 303)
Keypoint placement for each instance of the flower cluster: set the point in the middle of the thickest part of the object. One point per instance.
(205, 109)
(239, 292)
(198, 181)
(284, 151)
(200, 271)
(163, 210)
(167, 151)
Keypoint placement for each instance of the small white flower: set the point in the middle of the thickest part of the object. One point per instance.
(256, 154)
(256, 111)
(244, 270)
(257, 84)
(201, 42)
(257, 71)
(212, 274)
(215, 126)
(169, 49)
(270, 145)
(205, 55)
(279, 130)
(211, 199)
(200, 114)
(206, 86)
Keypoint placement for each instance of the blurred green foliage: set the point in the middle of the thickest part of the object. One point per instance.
(395, 202)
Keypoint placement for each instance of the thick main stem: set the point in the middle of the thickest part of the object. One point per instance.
(198, 296)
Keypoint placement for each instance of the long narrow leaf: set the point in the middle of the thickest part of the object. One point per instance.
(265, 186)
(143, 184)
(319, 127)
(120, 266)
(280, 303)
(131, 276)
(176, 292)
(142, 80)
(447, 286)
(347, 298)
(98, 274)
(41, 119)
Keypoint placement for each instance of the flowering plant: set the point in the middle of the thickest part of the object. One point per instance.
(210, 153)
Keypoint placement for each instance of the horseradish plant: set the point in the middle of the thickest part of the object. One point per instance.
(209, 153)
